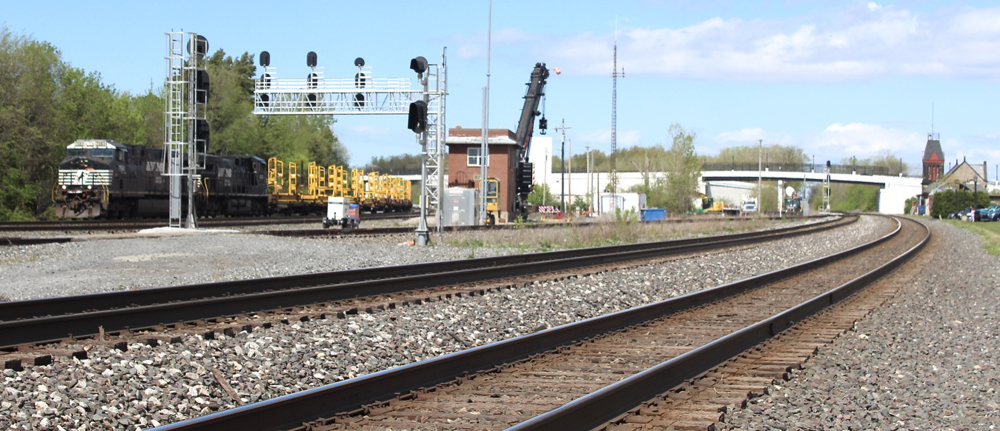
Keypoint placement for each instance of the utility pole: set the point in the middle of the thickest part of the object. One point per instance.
(760, 189)
(569, 167)
(590, 194)
(484, 149)
(562, 169)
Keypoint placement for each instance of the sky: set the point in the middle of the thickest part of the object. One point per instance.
(838, 79)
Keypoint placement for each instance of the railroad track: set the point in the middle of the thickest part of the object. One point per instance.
(11, 241)
(96, 225)
(407, 230)
(615, 371)
(86, 316)
(85, 226)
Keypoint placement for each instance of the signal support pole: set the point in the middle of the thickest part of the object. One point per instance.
(180, 118)
(423, 237)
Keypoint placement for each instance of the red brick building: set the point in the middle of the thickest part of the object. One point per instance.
(933, 160)
(465, 161)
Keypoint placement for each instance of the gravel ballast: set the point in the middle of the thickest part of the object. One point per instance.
(148, 386)
(101, 265)
(926, 360)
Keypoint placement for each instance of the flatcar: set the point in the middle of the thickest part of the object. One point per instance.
(101, 178)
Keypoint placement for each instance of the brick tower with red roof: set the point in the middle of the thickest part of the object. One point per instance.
(933, 160)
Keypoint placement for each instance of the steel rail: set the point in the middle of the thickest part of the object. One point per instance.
(11, 241)
(84, 225)
(294, 409)
(112, 300)
(597, 408)
(101, 224)
(52, 319)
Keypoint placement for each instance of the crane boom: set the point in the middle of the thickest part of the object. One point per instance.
(525, 128)
(534, 93)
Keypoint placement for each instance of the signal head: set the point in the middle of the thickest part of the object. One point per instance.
(418, 65)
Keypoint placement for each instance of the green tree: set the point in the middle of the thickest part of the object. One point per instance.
(45, 104)
(908, 205)
(656, 192)
(773, 156)
(541, 195)
(854, 197)
(404, 164)
(950, 201)
(885, 162)
(236, 130)
(29, 123)
(683, 169)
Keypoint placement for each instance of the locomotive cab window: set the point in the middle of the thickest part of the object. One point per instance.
(106, 153)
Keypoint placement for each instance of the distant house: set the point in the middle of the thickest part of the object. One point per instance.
(965, 176)
(962, 176)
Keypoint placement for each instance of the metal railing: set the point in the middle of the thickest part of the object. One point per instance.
(805, 167)
(83, 177)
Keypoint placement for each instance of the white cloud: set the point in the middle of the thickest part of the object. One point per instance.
(744, 136)
(747, 136)
(860, 44)
(866, 140)
(596, 138)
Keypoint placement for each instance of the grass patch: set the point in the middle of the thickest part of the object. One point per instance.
(470, 242)
(990, 231)
(618, 231)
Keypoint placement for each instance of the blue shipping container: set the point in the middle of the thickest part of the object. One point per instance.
(653, 214)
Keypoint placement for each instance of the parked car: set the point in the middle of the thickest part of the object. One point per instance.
(982, 214)
(991, 213)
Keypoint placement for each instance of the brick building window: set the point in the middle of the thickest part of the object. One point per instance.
(475, 157)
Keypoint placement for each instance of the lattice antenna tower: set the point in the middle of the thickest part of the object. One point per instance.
(614, 120)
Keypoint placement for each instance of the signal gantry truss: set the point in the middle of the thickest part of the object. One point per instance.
(318, 95)
(364, 94)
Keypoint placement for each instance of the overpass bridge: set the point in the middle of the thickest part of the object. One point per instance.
(895, 189)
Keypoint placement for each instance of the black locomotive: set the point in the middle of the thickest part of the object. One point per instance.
(103, 178)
